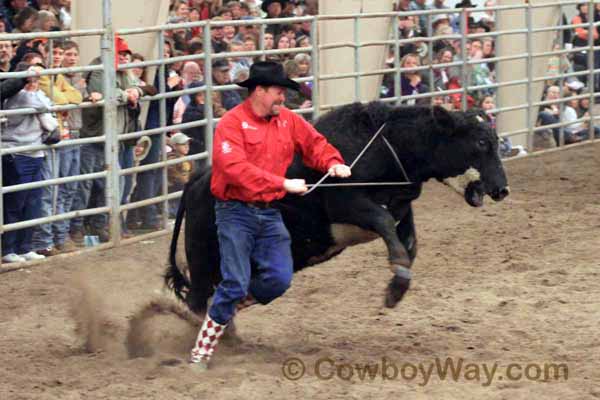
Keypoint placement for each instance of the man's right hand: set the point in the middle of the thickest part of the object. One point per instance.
(132, 95)
(95, 96)
(295, 185)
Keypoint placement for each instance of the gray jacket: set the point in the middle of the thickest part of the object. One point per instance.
(25, 130)
(74, 116)
(92, 118)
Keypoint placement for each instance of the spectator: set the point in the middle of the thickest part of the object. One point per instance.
(182, 11)
(149, 182)
(228, 33)
(25, 20)
(438, 5)
(295, 99)
(244, 30)
(11, 9)
(57, 163)
(580, 58)
(23, 167)
(191, 73)
(43, 5)
(91, 192)
(407, 29)
(488, 18)
(441, 75)
(411, 81)
(177, 66)
(311, 7)
(12, 86)
(303, 41)
(224, 13)
(442, 101)
(282, 42)
(577, 131)
(204, 7)
(461, 22)
(196, 47)
(549, 114)
(250, 44)
(28, 46)
(441, 43)
(46, 22)
(69, 164)
(480, 73)
(226, 99)
(505, 148)
(238, 63)
(235, 8)
(438, 22)
(305, 27)
(419, 5)
(194, 111)
(6, 53)
(196, 32)
(217, 37)
(489, 51)
(303, 61)
(178, 174)
(268, 41)
(273, 9)
(289, 9)
(62, 9)
(139, 74)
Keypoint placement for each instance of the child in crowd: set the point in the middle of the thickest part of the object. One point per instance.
(178, 174)
(506, 148)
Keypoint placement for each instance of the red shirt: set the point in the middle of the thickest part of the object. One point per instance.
(251, 154)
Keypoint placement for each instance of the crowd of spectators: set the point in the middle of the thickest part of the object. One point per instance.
(133, 85)
(415, 53)
(42, 92)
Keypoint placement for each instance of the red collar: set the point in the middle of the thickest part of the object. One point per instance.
(248, 109)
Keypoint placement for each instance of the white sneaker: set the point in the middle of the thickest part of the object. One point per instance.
(12, 258)
(32, 255)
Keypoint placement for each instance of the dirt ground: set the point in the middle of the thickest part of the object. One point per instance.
(516, 282)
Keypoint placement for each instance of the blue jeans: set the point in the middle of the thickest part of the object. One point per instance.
(250, 234)
(91, 193)
(42, 234)
(68, 165)
(23, 205)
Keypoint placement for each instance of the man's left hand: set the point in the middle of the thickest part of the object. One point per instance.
(340, 171)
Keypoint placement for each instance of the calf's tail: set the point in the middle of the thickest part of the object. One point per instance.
(173, 277)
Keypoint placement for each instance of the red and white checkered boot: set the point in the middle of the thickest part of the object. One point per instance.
(245, 303)
(207, 341)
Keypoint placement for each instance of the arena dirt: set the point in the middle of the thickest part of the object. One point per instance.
(513, 282)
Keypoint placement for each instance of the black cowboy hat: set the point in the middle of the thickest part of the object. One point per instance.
(465, 4)
(266, 3)
(268, 73)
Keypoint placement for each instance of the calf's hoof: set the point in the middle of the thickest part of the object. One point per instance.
(397, 287)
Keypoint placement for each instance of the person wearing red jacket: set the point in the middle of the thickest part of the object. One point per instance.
(254, 144)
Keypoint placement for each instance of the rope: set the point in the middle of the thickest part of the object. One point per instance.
(358, 157)
(361, 184)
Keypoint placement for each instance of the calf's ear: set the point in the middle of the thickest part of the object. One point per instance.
(443, 119)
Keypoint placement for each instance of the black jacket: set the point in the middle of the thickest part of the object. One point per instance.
(195, 112)
(10, 87)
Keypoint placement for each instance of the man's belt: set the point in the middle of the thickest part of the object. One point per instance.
(260, 204)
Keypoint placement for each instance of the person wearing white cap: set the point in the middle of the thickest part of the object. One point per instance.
(178, 174)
